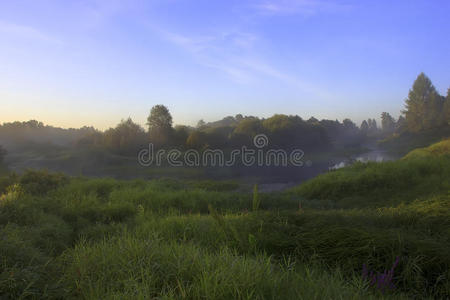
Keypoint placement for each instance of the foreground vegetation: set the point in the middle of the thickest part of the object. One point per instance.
(102, 238)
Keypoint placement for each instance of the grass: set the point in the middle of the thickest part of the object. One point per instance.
(421, 173)
(85, 238)
(152, 267)
(441, 148)
(405, 142)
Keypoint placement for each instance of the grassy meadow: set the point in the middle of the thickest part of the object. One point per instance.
(367, 231)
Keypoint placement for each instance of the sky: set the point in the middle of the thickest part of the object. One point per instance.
(76, 63)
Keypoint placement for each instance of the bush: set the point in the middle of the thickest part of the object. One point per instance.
(6, 181)
(41, 182)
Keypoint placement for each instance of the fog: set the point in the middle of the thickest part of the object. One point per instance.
(324, 145)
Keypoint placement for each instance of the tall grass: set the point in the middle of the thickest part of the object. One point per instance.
(102, 238)
(380, 184)
(130, 267)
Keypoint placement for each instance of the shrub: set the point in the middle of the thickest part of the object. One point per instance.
(41, 182)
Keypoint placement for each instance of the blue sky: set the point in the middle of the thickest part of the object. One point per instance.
(75, 63)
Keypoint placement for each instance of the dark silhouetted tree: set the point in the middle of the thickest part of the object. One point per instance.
(387, 123)
(348, 124)
(423, 107)
(373, 128)
(200, 124)
(446, 110)
(218, 137)
(292, 131)
(91, 137)
(279, 125)
(244, 132)
(331, 127)
(313, 120)
(180, 135)
(400, 125)
(364, 127)
(196, 140)
(126, 138)
(160, 125)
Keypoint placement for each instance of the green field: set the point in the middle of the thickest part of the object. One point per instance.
(74, 237)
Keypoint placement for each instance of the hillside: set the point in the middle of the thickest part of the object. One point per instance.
(439, 149)
(335, 236)
(421, 173)
(406, 142)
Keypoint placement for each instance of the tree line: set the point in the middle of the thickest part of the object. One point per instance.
(424, 109)
(283, 131)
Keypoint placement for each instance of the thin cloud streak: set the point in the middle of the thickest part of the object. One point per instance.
(216, 52)
(209, 51)
(98, 13)
(302, 7)
(287, 78)
(27, 32)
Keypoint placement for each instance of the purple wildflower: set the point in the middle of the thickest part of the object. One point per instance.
(382, 281)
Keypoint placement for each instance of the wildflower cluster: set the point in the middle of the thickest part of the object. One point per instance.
(381, 281)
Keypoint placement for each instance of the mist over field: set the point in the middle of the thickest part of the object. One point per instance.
(257, 149)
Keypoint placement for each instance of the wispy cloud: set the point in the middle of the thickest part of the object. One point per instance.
(239, 50)
(303, 7)
(28, 32)
(191, 44)
(217, 51)
(98, 12)
(268, 70)
(235, 54)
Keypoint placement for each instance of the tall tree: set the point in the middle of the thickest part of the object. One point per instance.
(196, 140)
(244, 132)
(446, 110)
(387, 122)
(364, 127)
(160, 125)
(372, 125)
(423, 105)
(400, 125)
(434, 111)
(348, 124)
(180, 135)
(126, 138)
(200, 123)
